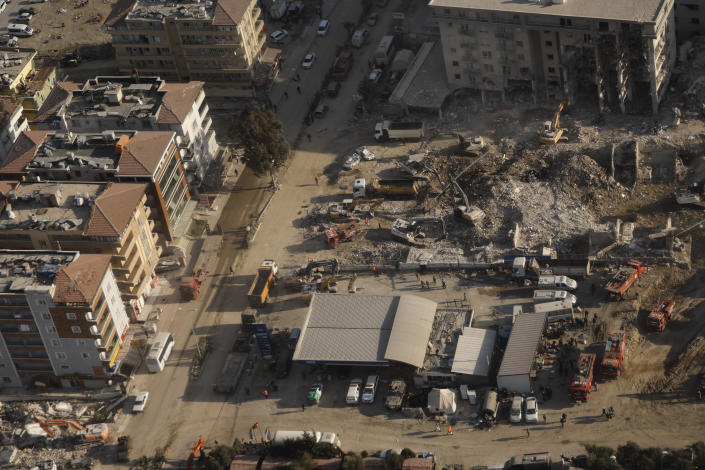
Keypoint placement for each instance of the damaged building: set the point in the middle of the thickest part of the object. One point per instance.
(619, 54)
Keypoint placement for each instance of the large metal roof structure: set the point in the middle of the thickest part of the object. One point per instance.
(473, 353)
(523, 342)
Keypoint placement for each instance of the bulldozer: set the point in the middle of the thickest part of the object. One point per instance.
(552, 132)
(347, 208)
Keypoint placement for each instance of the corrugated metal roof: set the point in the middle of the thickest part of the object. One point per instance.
(474, 352)
(412, 327)
(523, 341)
(357, 328)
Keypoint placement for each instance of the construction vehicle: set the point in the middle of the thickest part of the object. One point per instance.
(197, 449)
(348, 208)
(342, 65)
(552, 131)
(258, 294)
(625, 277)
(328, 285)
(230, 373)
(88, 433)
(191, 285)
(302, 275)
(611, 364)
(388, 130)
(342, 233)
(690, 196)
(583, 378)
(660, 315)
(407, 231)
(395, 187)
(471, 145)
(123, 449)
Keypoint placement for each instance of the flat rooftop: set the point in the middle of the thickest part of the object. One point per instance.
(220, 12)
(20, 270)
(12, 62)
(115, 97)
(639, 11)
(50, 206)
(74, 151)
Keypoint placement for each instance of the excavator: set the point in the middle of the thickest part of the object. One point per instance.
(346, 209)
(329, 285)
(552, 131)
(197, 448)
(88, 433)
(315, 268)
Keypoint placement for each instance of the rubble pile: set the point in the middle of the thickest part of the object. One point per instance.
(388, 252)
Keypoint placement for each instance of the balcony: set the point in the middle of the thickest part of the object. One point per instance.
(103, 357)
(207, 124)
(151, 225)
(155, 237)
(99, 344)
(94, 330)
(89, 317)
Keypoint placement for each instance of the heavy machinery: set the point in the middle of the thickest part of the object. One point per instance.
(611, 365)
(302, 275)
(583, 378)
(197, 449)
(347, 208)
(328, 285)
(88, 433)
(123, 449)
(552, 131)
(259, 290)
(342, 233)
(191, 285)
(407, 231)
(625, 277)
(660, 315)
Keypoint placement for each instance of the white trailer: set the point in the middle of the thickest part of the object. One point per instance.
(388, 130)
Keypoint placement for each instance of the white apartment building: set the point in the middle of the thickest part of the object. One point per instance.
(618, 53)
(12, 124)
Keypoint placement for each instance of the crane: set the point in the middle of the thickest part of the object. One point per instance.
(197, 447)
(552, 131)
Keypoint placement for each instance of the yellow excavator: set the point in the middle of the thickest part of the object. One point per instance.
(552, 131)
(346, 209)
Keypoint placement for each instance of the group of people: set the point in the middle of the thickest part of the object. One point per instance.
(546, 393)
(608, 413)
(427, 284)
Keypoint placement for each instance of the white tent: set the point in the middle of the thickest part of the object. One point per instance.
(441, 400)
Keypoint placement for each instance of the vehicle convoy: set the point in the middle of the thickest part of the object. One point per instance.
(231, 372)
(259, 291)
(342, 65)
(582, 381)
(625, 278)
(395, 394)
(660, 315)
(342, 233)
(390, 130)
(611, 365)
(191, 285)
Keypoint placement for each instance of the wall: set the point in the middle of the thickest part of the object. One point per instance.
(15, 126)
(690, 18)
(514, 383)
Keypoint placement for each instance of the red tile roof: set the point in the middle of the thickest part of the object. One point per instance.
(79, 281)
(113, 209)
(143, 153)
(22, 152)
(177, 101)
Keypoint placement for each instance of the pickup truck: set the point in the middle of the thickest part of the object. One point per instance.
(388, 130)
(259, 291)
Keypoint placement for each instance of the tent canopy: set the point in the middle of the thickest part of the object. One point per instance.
(441, 400)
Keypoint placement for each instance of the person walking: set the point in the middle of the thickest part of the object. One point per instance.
(450, 430)
(604, 413)
(303, 407)
(266, 394)
(545, 420)
(316, 179)
(443, 283)
(286, 95)
(564, 418)
(298, 89)
(308, 136)
(434, 279)
(438, 427)
(528, 433)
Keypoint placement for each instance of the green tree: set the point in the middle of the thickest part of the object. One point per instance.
(407, 453)
(352, 461)
(633, 457)
(305, 462)
(599, 458)
(262, 138)
(393, 461)
(220, 458)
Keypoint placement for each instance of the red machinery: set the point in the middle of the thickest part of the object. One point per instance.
(625, 277)
(611, 364)
(342, 233)
(191, 285)
(198, 447)
(581, 384)
(660, 315)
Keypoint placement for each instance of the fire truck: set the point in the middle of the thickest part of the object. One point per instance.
(581, 384)
(625, 277)
(660, 315)
(614, 354)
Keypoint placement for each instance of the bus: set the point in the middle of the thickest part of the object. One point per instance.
(385, 51)
(159, 352)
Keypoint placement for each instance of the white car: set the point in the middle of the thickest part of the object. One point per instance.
(532, 410)
(323, 28)
(370, 390)
(375, 75)
(365, 153)
(140, 402)
(308, 61)
(352, 161)
(517, 409)
(353, 396)
(279, 35)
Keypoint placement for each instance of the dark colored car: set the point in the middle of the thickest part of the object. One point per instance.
(70, 59)
(30, 10)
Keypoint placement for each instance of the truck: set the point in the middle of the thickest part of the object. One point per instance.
(385, 51)
(259, 290)
(191, 285)
(553, 295)
(341, 233)
(231, 372)
(330, 438)
(395, 187)
(557, 310)
(581, 384)
(625, 278)
(557, 282)
(611, 364)
(389, 130)
(342, 65)
(660, 315)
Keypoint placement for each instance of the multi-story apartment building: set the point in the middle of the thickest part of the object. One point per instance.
(12, 124)
(126, 103)
(218, 42)
(690, 18)
(106, 218)
(17, 68)
(121, 156)
(619, 54)
(61, 319)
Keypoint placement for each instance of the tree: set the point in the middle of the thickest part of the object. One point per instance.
(633, 457)
(220, 458)
(393, 461)
(407, 453)
(305, 462)
(599, 458)
(352, 461)
(262, 139)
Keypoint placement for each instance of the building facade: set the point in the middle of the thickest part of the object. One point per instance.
(619, 54)
(61, 318)
(690, 18)
(147, 103)
(219, 42)
(12, 124)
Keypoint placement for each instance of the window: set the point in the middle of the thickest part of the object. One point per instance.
(551, 70)
(46, 316)
(487, 54)
(24, 328)
(604, 26)
(80, 342)
(455, 63)
(489, 68)
(453, 50)
(56, 343)
(457, 76)
(446, 11)
(42, 244)
(60, 355)
(76, 329)
(64, 366)
(520, 43)
(6, 379)
(549, 56)
(70, 316)
(695, 20)
(42, 302)
(549, 43)
(51, 329)
(85, 355)
(521, 56)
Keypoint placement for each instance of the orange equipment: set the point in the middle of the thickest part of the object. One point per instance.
(196, 449)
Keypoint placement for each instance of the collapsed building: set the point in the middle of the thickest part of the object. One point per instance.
(619, 54)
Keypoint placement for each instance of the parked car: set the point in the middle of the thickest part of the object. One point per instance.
(516, 413)
(140, 402)
(532, 410)
(320, 111)
(354, 389)
(372, 19)
(333, 88)
(279, 35)
(3, 5)
(30, 10)
(314, 394)
(323, 28)
(36, 1)
(70, 59)
(375, 75)
(352, 161)
(365, 153)
(370, 390)
(7, 40)
(309, 60)
(23, 18)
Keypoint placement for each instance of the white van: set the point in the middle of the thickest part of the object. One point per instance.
(553, 295)
(20, 30)
(370, 390)
(560, 282)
